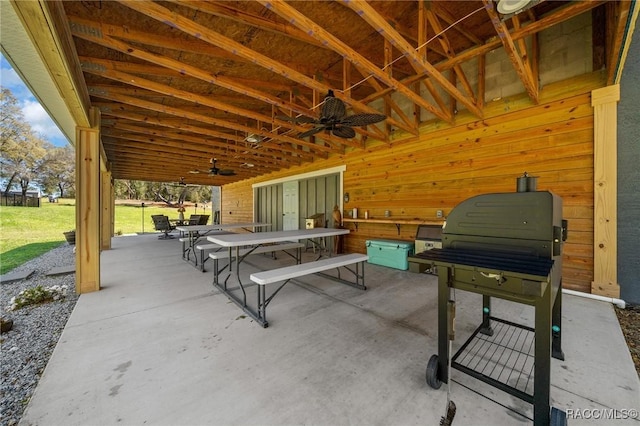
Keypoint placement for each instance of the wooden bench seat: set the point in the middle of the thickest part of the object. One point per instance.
(272, 248)
(288, 273)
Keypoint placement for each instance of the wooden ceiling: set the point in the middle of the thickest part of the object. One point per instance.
(180, 82)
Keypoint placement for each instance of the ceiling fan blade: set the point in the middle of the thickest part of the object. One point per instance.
(333, 109)
(311, 132)
(359, 120)
(226, 172)
(344, 132)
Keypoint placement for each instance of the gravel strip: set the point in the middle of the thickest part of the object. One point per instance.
(26, 349)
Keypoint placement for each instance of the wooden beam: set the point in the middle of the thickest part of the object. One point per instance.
(179, 112)
(622, 25)
(45, 22)
(188, 26)
(369, 14)
(98, 37)
(107, 213)
(301, 21)
(521, 67)
(212, 102)
(191, 45)
(605, 221)
(450, 53)
(88, 205)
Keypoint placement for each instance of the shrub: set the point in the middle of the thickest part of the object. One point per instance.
(36, 295)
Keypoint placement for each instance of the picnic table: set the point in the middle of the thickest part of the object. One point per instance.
(195, 232)
(234, 243)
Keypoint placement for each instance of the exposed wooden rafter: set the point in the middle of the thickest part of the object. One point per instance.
(521, 66)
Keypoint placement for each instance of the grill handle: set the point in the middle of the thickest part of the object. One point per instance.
(498, 277)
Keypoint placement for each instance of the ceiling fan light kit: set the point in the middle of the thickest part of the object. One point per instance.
(512, 7)
(253, 138)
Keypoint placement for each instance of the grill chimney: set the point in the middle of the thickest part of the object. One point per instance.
(526, 183)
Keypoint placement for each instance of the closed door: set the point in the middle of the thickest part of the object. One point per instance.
(290, 206)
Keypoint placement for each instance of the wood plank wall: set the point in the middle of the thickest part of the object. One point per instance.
(414, 177)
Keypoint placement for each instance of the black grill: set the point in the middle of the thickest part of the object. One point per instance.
(506, 245)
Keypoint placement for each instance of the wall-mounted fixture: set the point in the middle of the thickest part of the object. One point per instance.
(346, 197)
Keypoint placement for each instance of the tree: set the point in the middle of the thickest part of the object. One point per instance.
(14, 136)
(58, 170)
(21, 151)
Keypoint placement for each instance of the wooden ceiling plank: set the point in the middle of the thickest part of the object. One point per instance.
(181, 163)
(521, 67)
(301, 21)
(369, 14)
(195, 146)
(183, 68)
(182, 126)
(208, 101)
(245, 129)
(224, 10)
(192, 116)
(194, 158)
(194, 45)
(188, 26)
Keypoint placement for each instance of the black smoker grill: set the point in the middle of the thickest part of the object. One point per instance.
(506, 245)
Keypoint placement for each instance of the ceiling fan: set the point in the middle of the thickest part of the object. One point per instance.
(182, 183)
(215, 171)
(334, 119)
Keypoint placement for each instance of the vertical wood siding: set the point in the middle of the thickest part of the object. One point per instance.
(446, 164)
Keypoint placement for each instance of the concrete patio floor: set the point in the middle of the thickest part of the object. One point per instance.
(159, 345)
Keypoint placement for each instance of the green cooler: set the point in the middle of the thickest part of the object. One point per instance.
(390, 253)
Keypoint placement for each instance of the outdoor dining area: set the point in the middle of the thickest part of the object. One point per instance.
(160, 344)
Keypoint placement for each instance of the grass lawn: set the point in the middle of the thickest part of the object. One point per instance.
(27, 232)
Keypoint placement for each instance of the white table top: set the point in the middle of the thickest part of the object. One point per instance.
(219, 227)
(234, 240)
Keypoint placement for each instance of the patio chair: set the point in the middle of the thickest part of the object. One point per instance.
(194, 219)
(161, 223)
(204, 218)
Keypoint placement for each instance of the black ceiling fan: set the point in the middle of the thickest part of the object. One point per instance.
(334, 119)
(215, 171)
(182, 183)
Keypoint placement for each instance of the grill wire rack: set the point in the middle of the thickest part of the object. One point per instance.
(504, 359)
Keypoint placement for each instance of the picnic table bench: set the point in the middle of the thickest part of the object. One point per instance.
(288, 273)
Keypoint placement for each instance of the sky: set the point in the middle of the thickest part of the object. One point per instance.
(33, 112)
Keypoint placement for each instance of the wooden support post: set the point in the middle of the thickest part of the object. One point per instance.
(88, 205)
(605, 202)
(107, 211)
